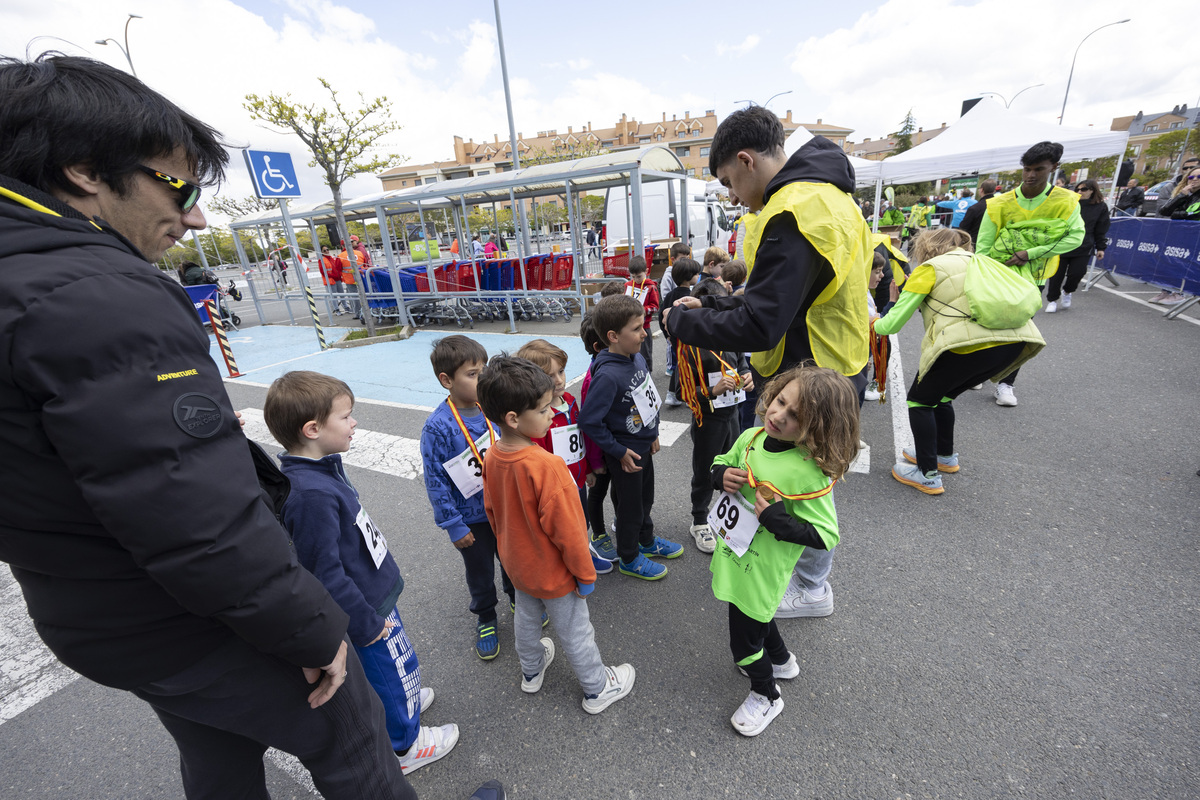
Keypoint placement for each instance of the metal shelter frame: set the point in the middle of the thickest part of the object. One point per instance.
(624, 168)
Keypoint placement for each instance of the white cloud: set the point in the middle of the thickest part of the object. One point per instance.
(749, 43)
(579, 64)
(932, 56)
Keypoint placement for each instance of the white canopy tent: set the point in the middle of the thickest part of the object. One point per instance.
(989, 138)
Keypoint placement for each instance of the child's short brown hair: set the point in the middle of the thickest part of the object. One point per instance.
(544, 354)
(735, 272)
(715, 255)
(613, 314)
(587, 332)
(611, 288)
(451, 352)
(297, 398)
(679, 249)
(637, 265)
(512, 384)
(828, 414)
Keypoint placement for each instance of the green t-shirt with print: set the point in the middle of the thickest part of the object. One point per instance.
(755, 582)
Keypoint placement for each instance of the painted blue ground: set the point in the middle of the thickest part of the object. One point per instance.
(392, 372)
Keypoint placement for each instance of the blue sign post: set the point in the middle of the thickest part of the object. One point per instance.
(272, 173)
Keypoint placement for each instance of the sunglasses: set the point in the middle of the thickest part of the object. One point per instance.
(1083, 189)
(1194, 177)
(189, 193)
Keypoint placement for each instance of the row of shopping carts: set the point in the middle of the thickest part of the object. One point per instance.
(457, 293)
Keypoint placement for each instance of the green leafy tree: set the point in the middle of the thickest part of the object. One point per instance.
(904, 137)
(592, 208)
(1169, 146)
(343, 141)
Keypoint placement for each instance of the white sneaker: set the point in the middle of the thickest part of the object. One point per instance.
(1051, 307)
(798, 602)
(672, 400)
(705, 541)
(532, 685)
(426, 698)
(1005, 395)
(1065, 301)
(431, 744)
(618, 683)
(787, 670)
(871, 395)
(755, 714)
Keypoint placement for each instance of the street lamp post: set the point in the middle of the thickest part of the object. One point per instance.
(124, 50)
(1008, 103)
(1072, 72)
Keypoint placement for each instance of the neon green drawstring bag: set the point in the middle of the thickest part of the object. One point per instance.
(999, 297)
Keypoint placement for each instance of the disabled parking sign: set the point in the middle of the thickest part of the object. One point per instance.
(272, 173)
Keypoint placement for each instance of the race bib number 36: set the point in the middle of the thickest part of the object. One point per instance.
(645, 397)
(466, 470)
(733, 519)
(568, 443)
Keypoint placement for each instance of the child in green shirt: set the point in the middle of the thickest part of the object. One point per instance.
(778, 482)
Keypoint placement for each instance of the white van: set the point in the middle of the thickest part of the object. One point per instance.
(707, 224)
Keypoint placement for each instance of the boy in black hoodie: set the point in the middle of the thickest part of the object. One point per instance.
(807, 237)
(620, 414)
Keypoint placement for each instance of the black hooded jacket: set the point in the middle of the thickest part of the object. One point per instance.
(130, 511)
(788, 273)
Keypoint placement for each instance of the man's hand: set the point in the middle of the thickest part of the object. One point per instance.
(629, 461)
(654, 447)
(241, 421)
(465, 542)
(893, 292)
(689, 302)
(734, 479)
(1018, 259)
(1099, 255)
(332, 676)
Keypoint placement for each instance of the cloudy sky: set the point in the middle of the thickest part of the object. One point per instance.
(858, 64)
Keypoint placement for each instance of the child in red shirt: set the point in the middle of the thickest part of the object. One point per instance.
(564, 438)
(645, 291)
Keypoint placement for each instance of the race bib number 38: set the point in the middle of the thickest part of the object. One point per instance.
(733, 519)
(466, 470)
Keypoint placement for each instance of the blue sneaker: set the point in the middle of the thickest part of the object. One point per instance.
(602, 566)
(512, 606)
(487, 644)
(643, 568)
(662, 549)
(604, 547)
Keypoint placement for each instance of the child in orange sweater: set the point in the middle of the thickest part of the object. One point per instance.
(533, 506)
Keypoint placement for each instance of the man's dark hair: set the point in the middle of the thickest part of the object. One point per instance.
(62, 110)
(613, 314)
(683, 270)
(710, 287)
(753, 128)
(509, 383)
(451, 352)
(987, 187)
(1042, 151)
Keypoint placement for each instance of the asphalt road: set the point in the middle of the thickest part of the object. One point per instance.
(1030, 633)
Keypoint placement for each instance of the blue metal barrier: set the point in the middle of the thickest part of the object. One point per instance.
(205, 291)
(1162, 252)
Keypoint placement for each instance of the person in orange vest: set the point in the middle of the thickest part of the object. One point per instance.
(331, 275)
(350, 279)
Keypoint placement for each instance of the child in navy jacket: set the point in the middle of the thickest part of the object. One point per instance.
(335, 539)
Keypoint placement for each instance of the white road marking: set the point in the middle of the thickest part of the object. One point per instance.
(1147, 304)
(898, 400)
(668, 432)
(381, 452)
(862, 462)
(29, 672)
(295, 770)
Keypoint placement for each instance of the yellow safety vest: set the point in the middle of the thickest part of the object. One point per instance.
(1004, 209)
(895, 257)
(837, 320)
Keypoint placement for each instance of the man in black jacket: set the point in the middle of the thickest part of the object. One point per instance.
(974, 216)
(130, 512)
(1131, 199)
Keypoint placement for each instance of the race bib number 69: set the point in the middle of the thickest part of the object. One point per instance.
(733, 519)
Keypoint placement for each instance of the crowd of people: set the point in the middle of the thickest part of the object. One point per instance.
(276, 622)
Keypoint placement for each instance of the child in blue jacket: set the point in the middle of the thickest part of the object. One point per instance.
(310, 415)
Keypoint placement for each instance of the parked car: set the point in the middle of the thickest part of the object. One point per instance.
(1156, 197)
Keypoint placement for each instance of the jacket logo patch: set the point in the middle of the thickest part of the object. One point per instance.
(166, 376)
(198, 415)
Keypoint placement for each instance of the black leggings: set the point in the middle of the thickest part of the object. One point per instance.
(748, 636)
(932, 418)
(1071, 270)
